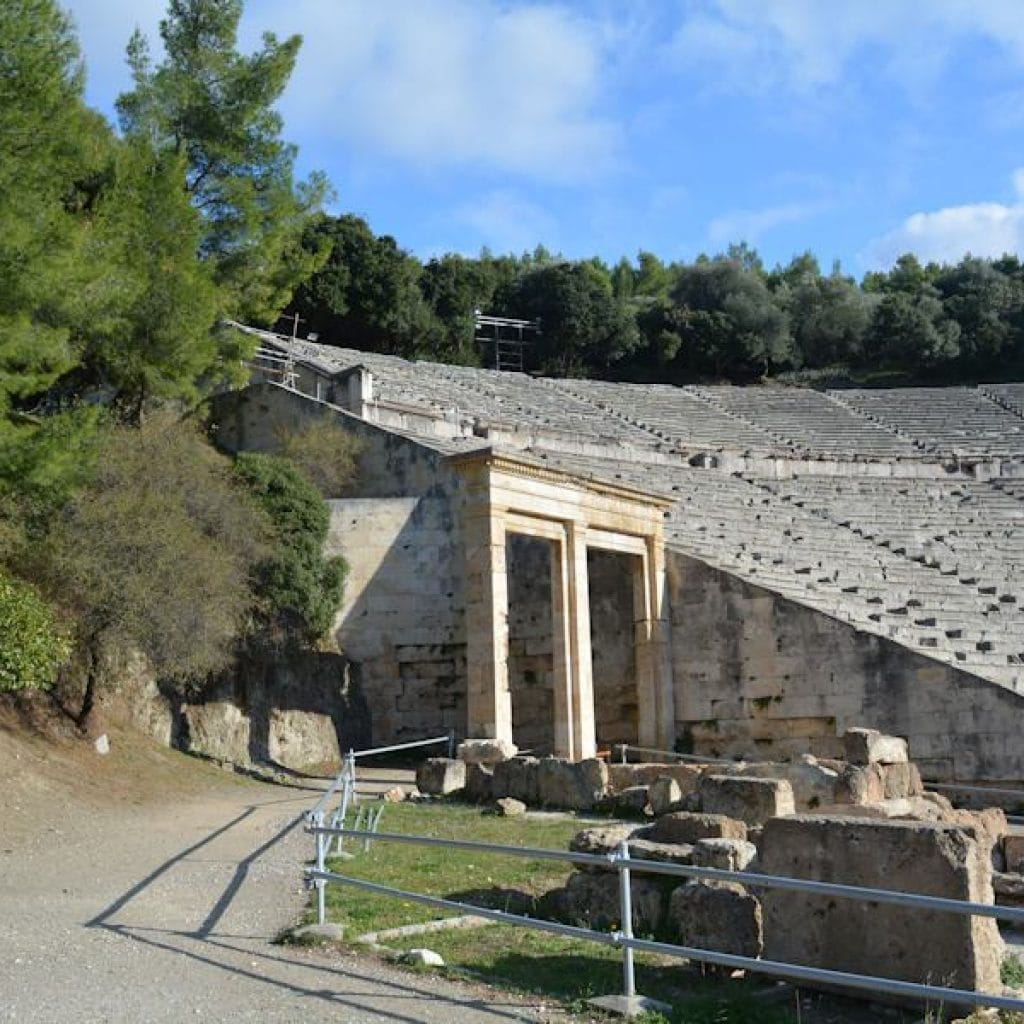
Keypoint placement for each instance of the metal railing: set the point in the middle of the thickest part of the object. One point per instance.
(621, 862)
(345, 784)
(622, 749)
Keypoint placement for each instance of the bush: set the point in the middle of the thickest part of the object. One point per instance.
(300, 590)
(156, 554)
(32, 646)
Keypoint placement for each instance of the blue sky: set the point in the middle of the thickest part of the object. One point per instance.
(858, 129)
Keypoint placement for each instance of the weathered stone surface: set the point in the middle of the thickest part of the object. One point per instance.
(218, 729)
(1013, 853)
(509, 807)
(869, 746)
(600, 841)
(718, 916)
(479, 783)
(814, 784)
(620, 776)
(1009, 888)
(579, 785)
(865, 938)
(299, 739)
(319, 932)
(631, 800)
(592, 900)
(746, 798)
(688, 827)
(440, 776)
(860, 784)
(394, 795)
(901, 780)
(487, 752)
(725, 854)
(666, 853)
(518, 777)
(664, 793)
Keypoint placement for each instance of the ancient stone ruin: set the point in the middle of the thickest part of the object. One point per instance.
(568, 564)
(863, 820)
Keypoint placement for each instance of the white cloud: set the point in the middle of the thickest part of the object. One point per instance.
(750, 225)
(441, 83)
(506, 222)
(808, 45)
(987, 230)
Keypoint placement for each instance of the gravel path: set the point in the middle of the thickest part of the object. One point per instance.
(143, 912)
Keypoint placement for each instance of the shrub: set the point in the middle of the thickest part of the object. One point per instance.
(300, 590)
(32, 646)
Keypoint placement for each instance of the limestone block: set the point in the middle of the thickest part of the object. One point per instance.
(747, 798)
(518, 778)
(666, 853)
(574, 785)
(507, 807)
(718, 916)
(218, 729)
(1013, 852)
(479, 783)
(440, 776)
(877, 938)
(814, 782)
(487, 752)
(725, 854)
(1009, 888)
(901, 780)
(631, 800)
(600, 841)
(869, 746)
(686, 775)
(688, 827)
(592, 900)
(860, 784)
(664, 793)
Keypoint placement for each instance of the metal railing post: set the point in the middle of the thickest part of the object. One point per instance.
(626, 918)
(320, 883)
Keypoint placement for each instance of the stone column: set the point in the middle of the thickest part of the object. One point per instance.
(488, 697)
(655, 702)
(561, 650)
(583, 726)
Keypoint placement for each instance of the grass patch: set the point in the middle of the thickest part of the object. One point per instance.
(484, 880)
(567, 969)
(1011, 972)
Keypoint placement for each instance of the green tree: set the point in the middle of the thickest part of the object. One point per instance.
(214, 106)
(149, 332)
(299, 589)
(367, 294)
(729, 322)
(584, 329)
(48, 145)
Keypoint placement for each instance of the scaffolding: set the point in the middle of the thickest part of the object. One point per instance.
(506, 338)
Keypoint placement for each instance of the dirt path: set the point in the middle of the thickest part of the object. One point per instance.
(138, 906)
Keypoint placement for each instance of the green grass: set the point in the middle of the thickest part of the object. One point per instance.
(566, 969)
(1012, 971)
(487, 880)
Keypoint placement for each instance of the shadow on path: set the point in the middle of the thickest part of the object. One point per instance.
(217, 953)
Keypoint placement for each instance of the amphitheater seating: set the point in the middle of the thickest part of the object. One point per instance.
(860, 504)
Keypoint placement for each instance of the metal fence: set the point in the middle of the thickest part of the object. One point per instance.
(620, 861)
(343, 789)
